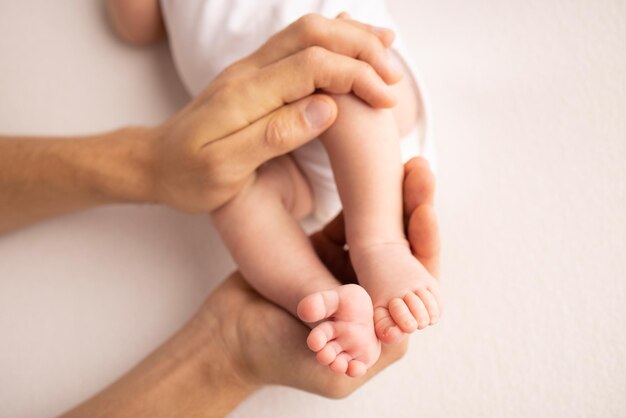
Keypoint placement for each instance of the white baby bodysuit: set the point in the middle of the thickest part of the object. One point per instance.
(207, 35)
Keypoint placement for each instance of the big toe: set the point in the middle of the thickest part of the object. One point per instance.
(349, 302)
(318, 306)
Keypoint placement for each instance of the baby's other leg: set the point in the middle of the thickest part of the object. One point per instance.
(277, 259)
(268, 245)
(363, 146)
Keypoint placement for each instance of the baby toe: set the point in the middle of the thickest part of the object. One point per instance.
(328, 354)
(320, 336)
(402, 315)
(318, 306)
(418, 309)
(431, 305)
(386, 329)
(356, 368)
(340, 365)
(433, 288)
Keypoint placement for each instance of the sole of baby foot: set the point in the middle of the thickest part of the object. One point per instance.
(345, 339)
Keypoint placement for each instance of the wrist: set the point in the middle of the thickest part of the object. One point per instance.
(121, 167)
(192, 374)
(224, 377)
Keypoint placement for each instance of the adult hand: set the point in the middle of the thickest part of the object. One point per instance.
(239, 342)
(268, 345)
(264, 106)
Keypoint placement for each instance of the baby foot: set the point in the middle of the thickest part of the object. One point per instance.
(345, 340)
(406, 297)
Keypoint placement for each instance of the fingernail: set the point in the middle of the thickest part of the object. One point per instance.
(379, 29)
(317, 113)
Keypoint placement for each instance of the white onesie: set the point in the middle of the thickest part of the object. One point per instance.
(207, 35)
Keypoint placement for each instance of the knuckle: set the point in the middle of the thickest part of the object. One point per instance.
(426, 185)
(421, 167)
(223, 93)
(277, 133)
(313, 55)
(232, 84)
(231, 70)
(427, 176)
(374, 41)
(366, 69)
(372, 44)
(310, 26)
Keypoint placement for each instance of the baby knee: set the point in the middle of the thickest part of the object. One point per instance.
(284, 176)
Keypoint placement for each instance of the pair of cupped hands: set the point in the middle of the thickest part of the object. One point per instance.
(266, 105)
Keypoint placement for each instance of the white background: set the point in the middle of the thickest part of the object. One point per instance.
(529, 103)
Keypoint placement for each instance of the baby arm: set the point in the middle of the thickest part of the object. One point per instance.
(138, 22)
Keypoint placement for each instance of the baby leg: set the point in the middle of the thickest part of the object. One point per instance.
(363, 146)
(277, 259)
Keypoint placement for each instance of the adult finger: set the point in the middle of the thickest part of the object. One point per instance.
(342, 36)
(419, 184)
(277, 133)
(385, 35)
(328, 71)
(238, 102)
(423, 234)
(423, 229)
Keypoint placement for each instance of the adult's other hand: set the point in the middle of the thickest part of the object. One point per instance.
(239, 342)
(267, 344)
(265, 105)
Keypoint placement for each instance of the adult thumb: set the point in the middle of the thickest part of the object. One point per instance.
(283, 130)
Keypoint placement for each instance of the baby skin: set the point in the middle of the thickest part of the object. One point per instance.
(259, 226)
(363, 146)
(397, 296)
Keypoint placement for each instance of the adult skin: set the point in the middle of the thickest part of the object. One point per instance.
(260, 107)
(239, 342)
(263, 106)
